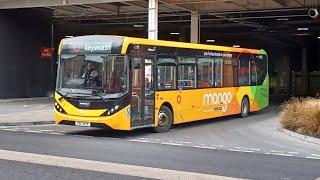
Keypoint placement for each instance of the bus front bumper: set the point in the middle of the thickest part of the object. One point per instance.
(117, 121)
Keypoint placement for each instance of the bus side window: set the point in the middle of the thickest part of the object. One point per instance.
(218, 72)
(166, 68)
(244, 70)
(253, 70)
(262, 68)
(205, 72)
(228, 77)
(187, 72)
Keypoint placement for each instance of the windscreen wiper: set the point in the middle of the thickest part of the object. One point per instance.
(94, 93)
(68, 93)
(97, 93)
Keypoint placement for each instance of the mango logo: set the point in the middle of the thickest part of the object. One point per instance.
(218, 98)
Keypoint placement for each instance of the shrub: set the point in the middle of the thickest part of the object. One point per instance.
(301, 115)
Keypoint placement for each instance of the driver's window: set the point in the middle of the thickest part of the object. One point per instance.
(80, 72)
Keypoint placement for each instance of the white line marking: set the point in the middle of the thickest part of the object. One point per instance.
(54, 133)
(105, 167)
(239, 150)
(318, 155)
(293, 153)
(173, 144)
(218, 146)
(142, 138)
(276, 151)
(45, 130)
(312, 157)
(281, 154)
(185, 142)
(138, 140)
(204, 147)
(252, 149)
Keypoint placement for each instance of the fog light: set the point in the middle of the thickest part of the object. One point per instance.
(112, 110)
(117, 107)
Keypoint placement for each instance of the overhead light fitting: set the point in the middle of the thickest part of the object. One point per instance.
(174, 33)
(236, 46)
(303, 29)
(69, 36)
(138, 25)
(283, 19)
(211, 40)
(318, 37)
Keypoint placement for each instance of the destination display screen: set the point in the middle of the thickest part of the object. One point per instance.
(96, 44)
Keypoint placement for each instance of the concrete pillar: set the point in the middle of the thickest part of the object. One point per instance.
(304, 72)
(195, 28)
(153, 19)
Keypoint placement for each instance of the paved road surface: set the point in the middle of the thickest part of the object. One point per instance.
(249, 148)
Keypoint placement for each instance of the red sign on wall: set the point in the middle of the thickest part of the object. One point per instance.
(46, 52)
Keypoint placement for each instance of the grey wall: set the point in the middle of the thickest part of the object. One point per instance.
(22, 72)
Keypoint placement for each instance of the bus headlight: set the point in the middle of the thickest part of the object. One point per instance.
(59, 108)
(111, 111)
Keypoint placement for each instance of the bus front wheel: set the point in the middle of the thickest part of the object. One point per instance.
(245, 107)
(165, 120)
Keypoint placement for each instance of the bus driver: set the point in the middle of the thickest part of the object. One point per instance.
(91, 77)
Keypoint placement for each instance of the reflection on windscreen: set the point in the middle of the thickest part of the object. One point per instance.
(107, 74)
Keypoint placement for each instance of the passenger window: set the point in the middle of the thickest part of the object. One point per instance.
(253, 71)
(166, 69)
(187, 73)
(218, 72)
(228, 69)
(262, 68)
(205, 72)
(244, 70)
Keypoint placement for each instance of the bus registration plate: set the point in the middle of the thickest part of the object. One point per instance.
(83, 124)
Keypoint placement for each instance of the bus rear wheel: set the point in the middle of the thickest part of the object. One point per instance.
(165, 120)
(245, 107)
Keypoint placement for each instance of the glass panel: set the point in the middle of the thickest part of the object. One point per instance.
(228, 72)
(107, 74)
(253, 71)
(187, 76)
(262, 68)
(187, 73)
(149, 91)
(244, 70)
(218, 72)
(137, 86)
(205, 72)
(166, 77)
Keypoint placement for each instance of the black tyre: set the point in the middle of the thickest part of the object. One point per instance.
(245, 107)
(165, 120)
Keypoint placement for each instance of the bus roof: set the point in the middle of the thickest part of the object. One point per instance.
(121, 43)
(142, 41)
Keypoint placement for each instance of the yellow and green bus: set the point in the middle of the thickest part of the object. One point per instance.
(125, 83)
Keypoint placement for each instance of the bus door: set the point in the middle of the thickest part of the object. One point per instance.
(142, 103)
